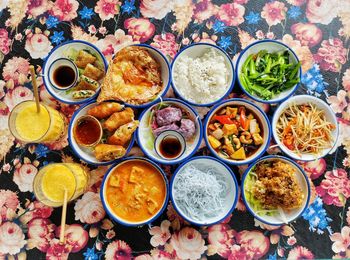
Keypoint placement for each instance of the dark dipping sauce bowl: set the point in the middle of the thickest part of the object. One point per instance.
(63, 74)
(87, 131)
(170, 145)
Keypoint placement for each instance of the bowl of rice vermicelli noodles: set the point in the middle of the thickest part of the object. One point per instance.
(203, 190)
(305, 128)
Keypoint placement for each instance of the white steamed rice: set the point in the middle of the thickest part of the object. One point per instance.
(202, 79)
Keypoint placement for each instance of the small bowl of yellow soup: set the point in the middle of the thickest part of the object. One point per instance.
(135, 191)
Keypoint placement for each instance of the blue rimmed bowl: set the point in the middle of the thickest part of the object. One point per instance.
(207, 162)
(262, 119)
(164, 73)
(319, 104)
(146, 139)
(104, 195)
(62, 51)
(195, 51)
(87, 153)
(270, 46)
(290, 215)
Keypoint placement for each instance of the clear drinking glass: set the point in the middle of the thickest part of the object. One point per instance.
(29, 126)
(53, 179)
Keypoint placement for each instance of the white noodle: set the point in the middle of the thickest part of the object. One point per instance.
(200, 192)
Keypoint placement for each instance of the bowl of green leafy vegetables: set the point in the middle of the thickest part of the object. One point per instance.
(268, 71)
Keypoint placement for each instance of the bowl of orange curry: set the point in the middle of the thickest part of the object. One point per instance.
(135, 191)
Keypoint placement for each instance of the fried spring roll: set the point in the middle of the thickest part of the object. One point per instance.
(118, 119)
(123, 134)
(108, 152)
(105, 109)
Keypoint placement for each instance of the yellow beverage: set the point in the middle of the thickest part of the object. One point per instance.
(27, 116)
(27, 125)
(56, 179)
(52, 180)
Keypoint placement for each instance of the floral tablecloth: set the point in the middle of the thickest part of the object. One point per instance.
(317, 30)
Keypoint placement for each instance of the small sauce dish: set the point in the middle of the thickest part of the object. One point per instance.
(88, 131)
(170, 145)
(63, 74)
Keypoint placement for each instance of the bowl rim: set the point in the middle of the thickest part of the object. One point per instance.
(308, 191)
(307, 98)
(171, 162)
(273, 101)
(163, 91)
(104, 202)
(256, 155)
(54, 93)
(232, 69)
(217, 161)
(70, 138)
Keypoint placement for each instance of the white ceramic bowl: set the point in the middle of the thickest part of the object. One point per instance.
(205, 162)
(58, 63)
(197, 50)
(60, 52)
(146, 140)
(270, 46)
(86, 153)
(264, 122)
(164, 71)
(104, 195)
(173, 135)
(302, 99)
(291, 215)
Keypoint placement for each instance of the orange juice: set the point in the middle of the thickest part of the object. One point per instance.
(27, 125)
(52, 180)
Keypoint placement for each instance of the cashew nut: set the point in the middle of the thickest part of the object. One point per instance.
(237, 142)
(246, 138)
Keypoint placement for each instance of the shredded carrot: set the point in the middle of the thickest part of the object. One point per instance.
(304, 129)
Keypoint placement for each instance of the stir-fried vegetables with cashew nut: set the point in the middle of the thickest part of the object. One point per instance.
(235, 132)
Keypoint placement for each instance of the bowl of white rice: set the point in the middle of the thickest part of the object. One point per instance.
(203, 190)
(202, 74)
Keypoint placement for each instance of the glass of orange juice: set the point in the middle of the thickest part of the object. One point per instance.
(53, 179)
(29, 126)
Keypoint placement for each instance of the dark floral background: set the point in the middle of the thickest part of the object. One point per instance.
(317, 30)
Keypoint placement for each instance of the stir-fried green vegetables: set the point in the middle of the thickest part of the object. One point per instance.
(267, 74)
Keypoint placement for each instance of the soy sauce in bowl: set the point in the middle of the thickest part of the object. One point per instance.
(170, 145)
(64, 76)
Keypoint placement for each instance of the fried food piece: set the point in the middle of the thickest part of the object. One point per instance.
(108, 152)
(84, 58)
(86, 83)
(93, 72)
(123, 134)
(277, 186)
(118, 119)
(81, 94)
(105, 109)
(133, 76)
